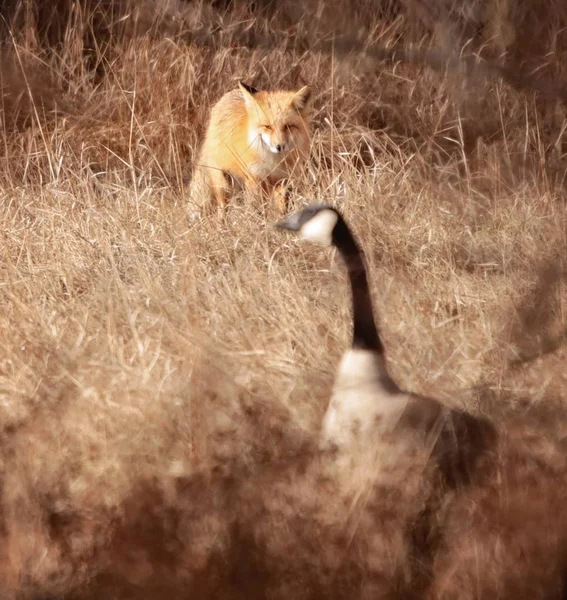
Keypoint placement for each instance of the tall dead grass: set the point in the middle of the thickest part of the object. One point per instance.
(161, 385)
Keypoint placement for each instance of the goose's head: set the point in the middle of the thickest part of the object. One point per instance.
(315, 223)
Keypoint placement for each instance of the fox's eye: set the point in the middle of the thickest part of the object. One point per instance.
(290, 127)
(267, 127)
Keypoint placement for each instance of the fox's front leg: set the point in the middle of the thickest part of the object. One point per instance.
(281, 195)
(218, 189)
(256, 187)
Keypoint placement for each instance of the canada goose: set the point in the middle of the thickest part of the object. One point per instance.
(365, 400)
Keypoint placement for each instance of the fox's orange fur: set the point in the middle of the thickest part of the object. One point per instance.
(254, 139)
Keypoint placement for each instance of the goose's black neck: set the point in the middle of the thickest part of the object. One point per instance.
(365, 332)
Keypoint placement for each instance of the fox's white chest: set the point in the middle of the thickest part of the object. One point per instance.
(263, 169)
(267, 164)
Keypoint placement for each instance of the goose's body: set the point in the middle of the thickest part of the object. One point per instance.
(366, 403)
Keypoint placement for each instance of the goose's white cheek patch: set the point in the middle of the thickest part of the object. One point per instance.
(319, 229)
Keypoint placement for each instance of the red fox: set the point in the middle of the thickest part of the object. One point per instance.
(255, 139)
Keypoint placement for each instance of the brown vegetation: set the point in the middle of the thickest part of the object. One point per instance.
(161, 383)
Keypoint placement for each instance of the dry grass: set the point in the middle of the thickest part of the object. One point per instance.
(161, 384)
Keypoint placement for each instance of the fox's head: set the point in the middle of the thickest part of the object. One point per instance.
(277, 120)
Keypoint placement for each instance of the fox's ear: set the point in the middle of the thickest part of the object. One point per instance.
(244, 87)
(248, 93)
(301, 98)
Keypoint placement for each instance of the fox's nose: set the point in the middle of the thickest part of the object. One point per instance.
(279, 147)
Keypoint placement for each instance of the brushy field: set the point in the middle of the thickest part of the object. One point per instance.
(162, 382)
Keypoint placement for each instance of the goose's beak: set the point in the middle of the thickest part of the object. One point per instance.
(291, 222)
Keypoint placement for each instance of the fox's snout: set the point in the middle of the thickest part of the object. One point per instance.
(276, 144)
(278, 148)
